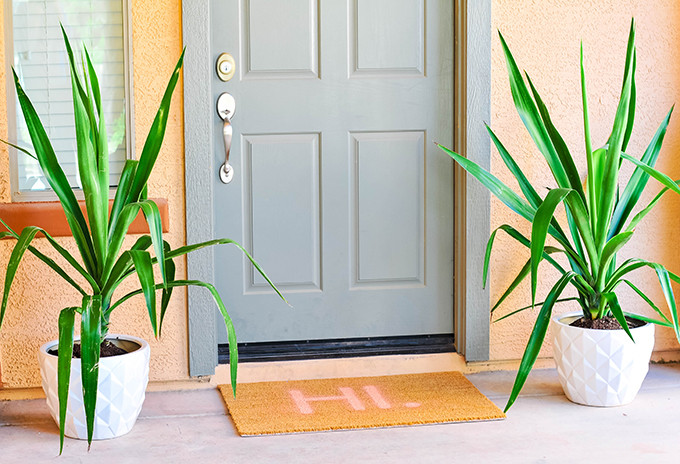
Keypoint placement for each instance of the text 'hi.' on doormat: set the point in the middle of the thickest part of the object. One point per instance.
(351, 403)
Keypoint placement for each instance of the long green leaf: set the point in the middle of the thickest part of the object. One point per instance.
(65, 350)
(231, 333)
(82, 91)
(575, 234)
(144, 269)
(527, 189)
(495, 186)
(636, 185)
(642, 213)
(123, 267)
(608, 253)
(664, 280)
(46, 259)
(657, 175)
(649, 319)
(20, 248)
(509, 197)
(530, 116)
(21, 149)
(103, 146)
(558, 143)
(518, 236)
(592, 203)
(648, 300)
(616, 310)
(167, 292)
(578, 214)
(609, 186)
(664, 276)
(88, 143)
(631, 61)
(127, 215)
(627, 266)
(56, 268)
(87, 170)
(225, 241)
(90, 341)
(579, 281)
(520, 277)
(65, 254)
(529, 192)
(537, 336)
(539, 231)
(487, 256)
(524, 308)
(56, 178)
(124, 186)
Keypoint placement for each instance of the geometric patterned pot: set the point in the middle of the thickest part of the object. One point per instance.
(600, 367)
(121, 389)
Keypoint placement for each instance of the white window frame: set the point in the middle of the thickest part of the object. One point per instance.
(48, 195)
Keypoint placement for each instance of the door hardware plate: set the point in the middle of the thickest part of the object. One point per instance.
(225, 67)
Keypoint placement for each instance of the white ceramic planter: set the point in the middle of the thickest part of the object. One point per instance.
(122, 387)
(600, 367)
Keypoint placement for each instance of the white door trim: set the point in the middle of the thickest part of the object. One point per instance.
(472, 202)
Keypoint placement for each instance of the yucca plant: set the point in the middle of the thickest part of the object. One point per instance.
(99, 233)
(599, 215)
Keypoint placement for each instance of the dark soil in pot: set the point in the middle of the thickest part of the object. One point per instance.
(606, 323)
(107, 349)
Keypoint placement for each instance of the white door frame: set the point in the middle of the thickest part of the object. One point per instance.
(472, 82)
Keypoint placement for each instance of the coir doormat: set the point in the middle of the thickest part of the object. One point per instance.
(359, 402)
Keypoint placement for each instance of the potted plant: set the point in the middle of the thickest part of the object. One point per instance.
(83, 389)
(596, 367)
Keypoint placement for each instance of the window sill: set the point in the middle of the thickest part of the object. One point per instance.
(50, 216)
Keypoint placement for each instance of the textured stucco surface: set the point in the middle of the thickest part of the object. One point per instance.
(544, 36)
(37, 294)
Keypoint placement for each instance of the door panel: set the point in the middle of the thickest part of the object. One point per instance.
(387, 38)
(388, 211)
(271, 200)
(279, 39)
(338, 190)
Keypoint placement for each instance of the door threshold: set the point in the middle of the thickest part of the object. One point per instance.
(338, 348)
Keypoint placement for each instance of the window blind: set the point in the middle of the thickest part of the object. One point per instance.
(41, 63)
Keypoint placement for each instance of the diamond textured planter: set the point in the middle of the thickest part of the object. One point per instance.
(600, 367)
(121, 389)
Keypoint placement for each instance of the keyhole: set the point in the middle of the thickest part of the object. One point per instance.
(225, 67)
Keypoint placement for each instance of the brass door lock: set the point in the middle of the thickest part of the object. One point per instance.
(225, 67)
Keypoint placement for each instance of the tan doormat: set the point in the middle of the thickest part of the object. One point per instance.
(352, 403)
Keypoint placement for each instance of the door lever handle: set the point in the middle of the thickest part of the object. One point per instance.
(226, 105)
(227, 170)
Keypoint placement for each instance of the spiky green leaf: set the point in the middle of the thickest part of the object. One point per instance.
(65, 354)
(144, 270)
(537, 336)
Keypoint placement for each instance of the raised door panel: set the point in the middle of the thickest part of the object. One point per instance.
(387, 45)
(282, 210)
(279, 39)
(388, 214)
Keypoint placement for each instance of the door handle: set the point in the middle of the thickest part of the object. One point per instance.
(226, 106)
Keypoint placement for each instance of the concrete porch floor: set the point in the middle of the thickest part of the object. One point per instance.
(542, 427)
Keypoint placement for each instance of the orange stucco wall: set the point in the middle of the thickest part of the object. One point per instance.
(38, 294)
(544, 35)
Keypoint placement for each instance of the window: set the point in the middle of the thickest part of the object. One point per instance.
(34, 46)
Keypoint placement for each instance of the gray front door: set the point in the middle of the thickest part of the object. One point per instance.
(338, 190)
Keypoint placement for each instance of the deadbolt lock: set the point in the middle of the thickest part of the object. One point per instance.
(225, 67)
